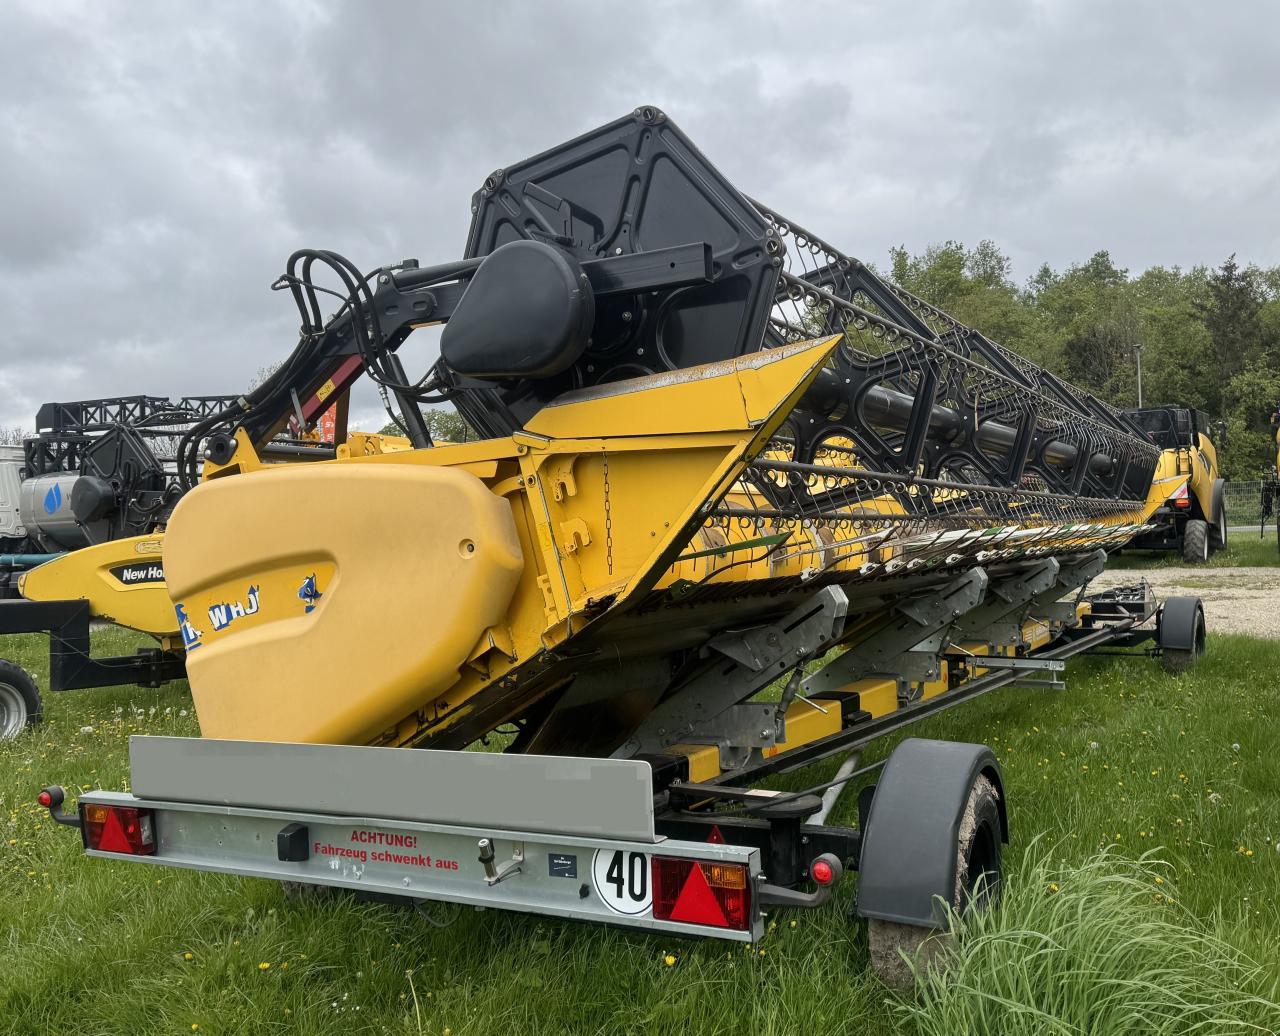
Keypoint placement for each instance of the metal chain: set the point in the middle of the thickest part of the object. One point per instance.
(608, 515)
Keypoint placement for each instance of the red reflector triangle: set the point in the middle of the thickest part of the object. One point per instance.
(715, 838)
(113, 839)
(696, 903)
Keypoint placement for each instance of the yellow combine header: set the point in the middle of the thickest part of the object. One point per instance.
(621, 521)
(736, 504)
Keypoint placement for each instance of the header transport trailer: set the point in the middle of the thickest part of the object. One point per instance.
(739, 505)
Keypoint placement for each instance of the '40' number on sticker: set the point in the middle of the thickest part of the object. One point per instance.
(621, 879)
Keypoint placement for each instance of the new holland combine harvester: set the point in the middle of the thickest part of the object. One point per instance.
(738, 505)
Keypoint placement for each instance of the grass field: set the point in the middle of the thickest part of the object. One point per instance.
(1143, 896)
(1244, 550)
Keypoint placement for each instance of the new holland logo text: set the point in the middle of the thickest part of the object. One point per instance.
(143, 572)
(223, 615)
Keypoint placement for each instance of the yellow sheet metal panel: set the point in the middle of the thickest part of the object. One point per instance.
(324, 602)
(738, 393)
(806, 723)
(704, 760)
(1204, 473)
(1036, 634)
(876, 696)
(934, 687)
(123, 581)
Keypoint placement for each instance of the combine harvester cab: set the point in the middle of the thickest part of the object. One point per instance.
(739, 506)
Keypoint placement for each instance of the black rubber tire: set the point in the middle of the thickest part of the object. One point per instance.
(1177, 660)
(979, 873)
(20, 706)
(1195, 542)
(1218, 531)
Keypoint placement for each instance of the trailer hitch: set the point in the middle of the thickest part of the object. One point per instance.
(51, 798)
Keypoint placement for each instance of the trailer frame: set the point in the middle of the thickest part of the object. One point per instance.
(528, 833)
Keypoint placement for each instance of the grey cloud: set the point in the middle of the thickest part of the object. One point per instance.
(158, 162)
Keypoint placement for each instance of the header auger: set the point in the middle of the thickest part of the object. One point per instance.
(737, 504)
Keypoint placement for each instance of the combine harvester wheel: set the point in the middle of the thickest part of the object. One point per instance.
(19, 700)
(1195, 542)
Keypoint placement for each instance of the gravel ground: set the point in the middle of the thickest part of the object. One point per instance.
(1236, 600)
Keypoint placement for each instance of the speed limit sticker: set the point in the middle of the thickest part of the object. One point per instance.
(621, 879)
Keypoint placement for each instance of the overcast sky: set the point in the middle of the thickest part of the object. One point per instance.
(159, 161)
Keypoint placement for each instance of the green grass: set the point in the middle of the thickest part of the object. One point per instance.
(1244, 549)
(1148, 970)
(1126, 768)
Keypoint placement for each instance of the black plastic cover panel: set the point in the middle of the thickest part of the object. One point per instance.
(527, 313)
(637, 184)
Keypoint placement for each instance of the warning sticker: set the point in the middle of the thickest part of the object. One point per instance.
(384, 847)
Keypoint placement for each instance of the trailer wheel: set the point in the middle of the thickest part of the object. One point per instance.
(977, 885)
(19, 700)
(1195, 541)
(1181, 633)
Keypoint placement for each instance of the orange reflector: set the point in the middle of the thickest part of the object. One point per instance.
(118, 829)
(701, 892)
(1181, 498)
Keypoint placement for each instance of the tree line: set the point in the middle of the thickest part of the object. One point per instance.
(1209, 338)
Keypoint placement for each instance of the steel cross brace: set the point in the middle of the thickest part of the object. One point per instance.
(912, 623)
(1071, 576)
(712, 708)
(997, 619)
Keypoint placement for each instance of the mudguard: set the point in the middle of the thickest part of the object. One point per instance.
(1176, 628)
(909, 845)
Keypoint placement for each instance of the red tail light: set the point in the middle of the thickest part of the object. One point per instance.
(119, 829)
(702, 892)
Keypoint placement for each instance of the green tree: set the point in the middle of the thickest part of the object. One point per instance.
(444, 426)
(1251, 397)
(1093, 324)
(1231, 314)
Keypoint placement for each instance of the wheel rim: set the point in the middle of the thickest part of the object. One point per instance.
(13, 711)
(982, 880)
